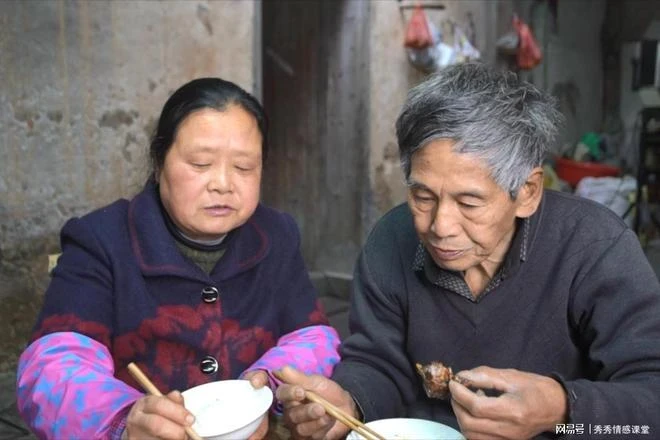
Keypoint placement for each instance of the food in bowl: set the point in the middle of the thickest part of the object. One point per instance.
(436, 377)
(227, 409)
(410, 429)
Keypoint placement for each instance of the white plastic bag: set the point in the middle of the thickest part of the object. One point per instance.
(614, 192)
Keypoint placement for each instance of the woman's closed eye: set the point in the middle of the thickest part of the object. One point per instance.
(244, 167)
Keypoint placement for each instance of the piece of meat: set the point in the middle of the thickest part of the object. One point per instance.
(436, 377)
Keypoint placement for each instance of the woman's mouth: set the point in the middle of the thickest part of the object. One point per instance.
(218, 210)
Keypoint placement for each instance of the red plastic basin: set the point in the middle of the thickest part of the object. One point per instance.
(572, 171)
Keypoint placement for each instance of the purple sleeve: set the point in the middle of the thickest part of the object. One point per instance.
(66, 389)
(312, 350)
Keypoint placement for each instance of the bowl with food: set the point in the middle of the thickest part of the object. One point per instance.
(227, 409)
(410, 429)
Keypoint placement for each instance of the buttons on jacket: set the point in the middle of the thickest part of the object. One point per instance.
(210, 294)
(209, 365)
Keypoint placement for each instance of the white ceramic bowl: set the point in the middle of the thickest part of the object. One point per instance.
(410, 429)
(227, 409)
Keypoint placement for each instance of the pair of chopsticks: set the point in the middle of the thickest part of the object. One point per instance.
(343, 417)
(150, 388)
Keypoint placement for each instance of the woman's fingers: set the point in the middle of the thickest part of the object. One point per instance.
(162, 417)
(257, 378)
(261, 431)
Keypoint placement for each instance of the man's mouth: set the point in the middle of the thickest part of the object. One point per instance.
(447, 254)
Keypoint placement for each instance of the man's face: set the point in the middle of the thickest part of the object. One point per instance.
(462, 216)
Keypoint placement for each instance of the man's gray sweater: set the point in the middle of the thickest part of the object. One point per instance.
(577, 300)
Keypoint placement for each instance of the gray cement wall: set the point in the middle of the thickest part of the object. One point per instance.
(391, 75)
(82, 86)
(571, 69)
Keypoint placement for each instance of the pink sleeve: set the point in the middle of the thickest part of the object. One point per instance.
(67, 389)
(312, 350)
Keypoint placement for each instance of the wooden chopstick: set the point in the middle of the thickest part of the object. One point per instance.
(150, 388)
(343, 417)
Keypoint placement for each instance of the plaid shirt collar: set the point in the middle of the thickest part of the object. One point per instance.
(454, 281)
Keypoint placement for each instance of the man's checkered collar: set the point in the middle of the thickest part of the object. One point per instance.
(454, 281)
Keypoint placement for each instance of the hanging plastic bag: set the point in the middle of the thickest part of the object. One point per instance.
(421, 42)
(464, 49)
(418, 34)
(508, 43)
(529, 54)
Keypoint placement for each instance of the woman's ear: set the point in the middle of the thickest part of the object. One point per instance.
(529, 196)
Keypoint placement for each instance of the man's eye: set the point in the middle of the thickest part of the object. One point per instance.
(201, 165)
(244, 168)
(423, 199)
(468, 205)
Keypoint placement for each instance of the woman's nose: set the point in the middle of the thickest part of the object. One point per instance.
(220, 180)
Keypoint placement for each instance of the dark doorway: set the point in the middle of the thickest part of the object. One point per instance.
(315, 91)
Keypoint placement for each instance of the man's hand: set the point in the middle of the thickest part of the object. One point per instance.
(158, 417)
(528, 404)
(308, 420)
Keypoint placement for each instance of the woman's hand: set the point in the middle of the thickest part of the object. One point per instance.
(158, 417)
(258, 379)
(528, 404)
(308, 420)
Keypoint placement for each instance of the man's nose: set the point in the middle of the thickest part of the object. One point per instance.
(445, 219)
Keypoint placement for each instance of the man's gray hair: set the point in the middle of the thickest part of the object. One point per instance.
(491, 114)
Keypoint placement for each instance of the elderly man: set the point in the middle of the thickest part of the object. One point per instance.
(543, 302)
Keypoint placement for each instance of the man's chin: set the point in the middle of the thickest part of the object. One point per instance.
(452, 265)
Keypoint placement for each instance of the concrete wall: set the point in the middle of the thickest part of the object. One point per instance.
(83, 83)
(391, 75)
(82, 86)
(572, 67)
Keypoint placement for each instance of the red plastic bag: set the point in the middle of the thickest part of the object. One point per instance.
(418, 34)
(529, 54)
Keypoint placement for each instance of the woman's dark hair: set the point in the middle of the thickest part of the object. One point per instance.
(198, 94)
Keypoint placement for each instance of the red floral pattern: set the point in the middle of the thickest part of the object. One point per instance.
(171, 345)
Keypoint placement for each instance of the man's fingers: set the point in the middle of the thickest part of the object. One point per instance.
(476, 403)
(290, 394)
(486, 378)
(305, 413)
(292, 376)
(315, 427)
(474, 426)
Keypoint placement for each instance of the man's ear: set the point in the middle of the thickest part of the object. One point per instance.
(530, 194)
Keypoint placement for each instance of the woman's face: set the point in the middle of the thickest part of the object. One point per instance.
(211, 176)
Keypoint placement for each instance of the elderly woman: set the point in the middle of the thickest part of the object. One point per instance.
(193, 280)
(544, 303)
